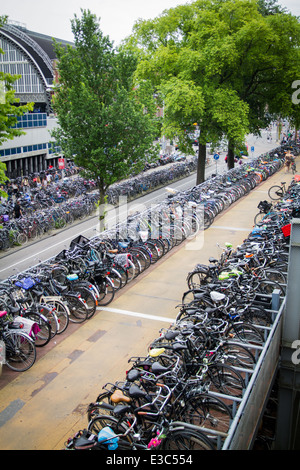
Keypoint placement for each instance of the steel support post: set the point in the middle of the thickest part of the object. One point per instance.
(287, 433)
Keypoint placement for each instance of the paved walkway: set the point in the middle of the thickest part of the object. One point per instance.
(45, 405)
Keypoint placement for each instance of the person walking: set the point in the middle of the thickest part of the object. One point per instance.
(17, 210)
(288, 160)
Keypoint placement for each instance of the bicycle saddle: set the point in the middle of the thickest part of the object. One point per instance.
(158, 368)
(133, 375)
(171, 334)
(217, 296)
(135, 392)
(118, 396)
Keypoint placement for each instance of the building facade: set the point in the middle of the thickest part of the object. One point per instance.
(32, 56)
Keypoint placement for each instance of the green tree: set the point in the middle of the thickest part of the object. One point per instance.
(231, 55)
(9, 110)
(107, 124)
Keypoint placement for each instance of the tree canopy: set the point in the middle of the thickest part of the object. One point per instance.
(227, 65)
(106, 123)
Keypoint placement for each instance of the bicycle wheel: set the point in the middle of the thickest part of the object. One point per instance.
(225, 379)
(88, 298)
(276, 276)
(245, 332)
(98, 423)
(259, 217)
(257, 316)
(20, 351)
(50, 314)
(121, 272)
(106, 290)
(77, 309)
(207, 411)
(22, 238)
(62, 314)
(275, 192)
(267, 287)
(238, 355)
(43, 336)
(196, 279)
(185, 440)
(116, 278)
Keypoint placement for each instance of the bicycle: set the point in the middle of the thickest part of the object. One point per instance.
(277, 192)
(107, 433)
(20, 350)
(128, 423)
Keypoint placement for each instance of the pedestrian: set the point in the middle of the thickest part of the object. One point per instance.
(17, 210)
(288, 160)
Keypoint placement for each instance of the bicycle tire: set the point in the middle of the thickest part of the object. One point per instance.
(238, 355)
(257, 316)
(106, 290)
(267, 287)
(245, 332)
(196, 278)
(42, 337)
(259, 217)
(77, 309)
(185, 440)
(122, 272)
(275, 192)
(88, 298)
(20, 351)
(49, 313)
(62, 314)
(202, 409)
(102, 421)
(225, 379)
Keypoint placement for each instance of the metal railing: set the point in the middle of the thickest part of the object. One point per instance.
(249, 412)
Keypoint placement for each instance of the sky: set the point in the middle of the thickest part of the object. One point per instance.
(117, 17)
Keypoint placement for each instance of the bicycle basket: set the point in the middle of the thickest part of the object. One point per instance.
(79, 241)
(25, 283)
(264, 206)
(122, 259)
(286, 230)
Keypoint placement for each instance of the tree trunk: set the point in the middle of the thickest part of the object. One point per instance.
(201, 163)
(101, 208)
(230, 155)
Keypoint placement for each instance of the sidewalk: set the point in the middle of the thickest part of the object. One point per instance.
(45, 405)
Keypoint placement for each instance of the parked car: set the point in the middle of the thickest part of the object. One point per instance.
(164, 159)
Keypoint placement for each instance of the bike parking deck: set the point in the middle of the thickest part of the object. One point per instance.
(45, 405)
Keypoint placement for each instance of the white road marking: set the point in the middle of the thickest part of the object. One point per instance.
(136, 314)
(241, 229)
